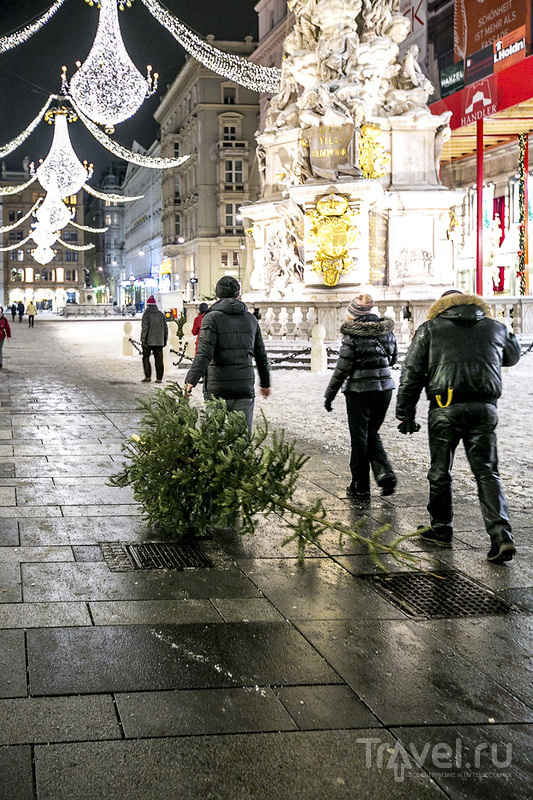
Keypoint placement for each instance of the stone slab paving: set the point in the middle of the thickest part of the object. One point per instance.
(258, 679)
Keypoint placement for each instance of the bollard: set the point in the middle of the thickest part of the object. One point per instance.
(127, 347)
(319, 353)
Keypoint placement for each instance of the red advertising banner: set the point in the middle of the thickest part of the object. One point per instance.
(479, 24)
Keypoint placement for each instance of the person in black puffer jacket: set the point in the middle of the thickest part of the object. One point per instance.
(367, 352)
(457, 356)
(229, 342)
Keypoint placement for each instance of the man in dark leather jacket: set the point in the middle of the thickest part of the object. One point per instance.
(457, 356)
(230, 341)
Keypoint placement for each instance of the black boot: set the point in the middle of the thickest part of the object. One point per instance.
(502, 548)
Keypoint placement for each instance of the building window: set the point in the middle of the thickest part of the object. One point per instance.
(233, 171)
(176, 149)
(58, 255)
(72, 200)
(177, 188)
(177, 225)
(15, 215)
(230, 95)
(16, 255)
(71, 275)
(108, 219)
(70, 236)
(230, 133)
(231, 211)
(71, 255)
(108, 258)
(16, 236)
(17, 275)
(47, 275)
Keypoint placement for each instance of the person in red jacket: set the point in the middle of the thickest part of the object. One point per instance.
(5, 333)
(197, 323)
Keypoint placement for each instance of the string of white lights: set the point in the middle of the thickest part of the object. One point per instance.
(229, 65)
(88, 228)
(17, 141)
(79, 247)
(113, 198)
(15, 246)
(123, 152)
(5, 190)
(22, 35)
(8, 228)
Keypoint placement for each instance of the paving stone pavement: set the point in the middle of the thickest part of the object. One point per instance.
(257, 679)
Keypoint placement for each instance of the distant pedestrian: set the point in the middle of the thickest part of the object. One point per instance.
(31, 311)
(457, 357)
(154, 335)
(197, 323)
(230, 341)
(5, 333)
(367, 352)
(13, 309)
(20, 310)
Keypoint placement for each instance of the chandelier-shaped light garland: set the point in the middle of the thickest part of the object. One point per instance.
(53, 212)
(79, 247)
(113, 198)
(19, 37)
(23, 219)
(123, 152)
(62, 161)
(229, 65)
(522, 215)
(42, 235)
(6, 190)
(17, 141)
(108, 87)
(43, 255)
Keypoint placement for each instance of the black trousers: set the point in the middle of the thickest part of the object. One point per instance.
(474, 424)
(31, 320)
(158, 359)
(366, 412)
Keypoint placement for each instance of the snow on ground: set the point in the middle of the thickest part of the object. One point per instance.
(296, 404)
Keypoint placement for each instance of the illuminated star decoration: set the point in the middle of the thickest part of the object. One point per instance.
(108, 87)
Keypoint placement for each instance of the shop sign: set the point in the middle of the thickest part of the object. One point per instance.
(509, 49)
(416, 13)
(452, 79)
(479, 24)
(479, 100)
(479, 65)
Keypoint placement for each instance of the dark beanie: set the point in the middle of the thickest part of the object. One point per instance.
(451, 291)
(202, 308)
(228, 287)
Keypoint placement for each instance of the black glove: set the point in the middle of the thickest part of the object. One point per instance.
(327, 404)
(408, 426)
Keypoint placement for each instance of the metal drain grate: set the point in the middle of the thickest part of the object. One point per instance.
(154, 555)
(438, 595)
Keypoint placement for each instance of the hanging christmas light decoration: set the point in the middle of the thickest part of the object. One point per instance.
(42, 235)
(17, 141)
(19, 187)
(78, 247)
(20, 221)
(19, 37)
(43, 255)
(108, 87)
(62, 161)
(123, 152)
(229, 65)
(113, 198)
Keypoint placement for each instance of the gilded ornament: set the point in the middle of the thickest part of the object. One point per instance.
(333, 230)
(373, 157)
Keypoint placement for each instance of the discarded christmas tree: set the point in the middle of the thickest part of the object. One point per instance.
(192, 470)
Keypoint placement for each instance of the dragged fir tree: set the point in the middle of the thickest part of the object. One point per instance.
(194, 469)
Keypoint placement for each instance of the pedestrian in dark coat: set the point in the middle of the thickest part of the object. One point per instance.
(457, 356)
(230, 341)
(20, 309)
(13, 309)
(197, 323)
(154, 335)
(368, 350)
(5, 333)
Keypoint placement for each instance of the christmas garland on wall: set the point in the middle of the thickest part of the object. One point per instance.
(522, 212)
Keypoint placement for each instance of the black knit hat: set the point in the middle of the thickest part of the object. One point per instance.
(202, 308)
(228, 287)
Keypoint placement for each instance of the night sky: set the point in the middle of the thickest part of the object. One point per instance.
(32, 71)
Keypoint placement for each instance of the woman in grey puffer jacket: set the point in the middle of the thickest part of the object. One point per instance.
(367, 352)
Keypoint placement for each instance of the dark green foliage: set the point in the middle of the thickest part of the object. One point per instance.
(194, 469)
